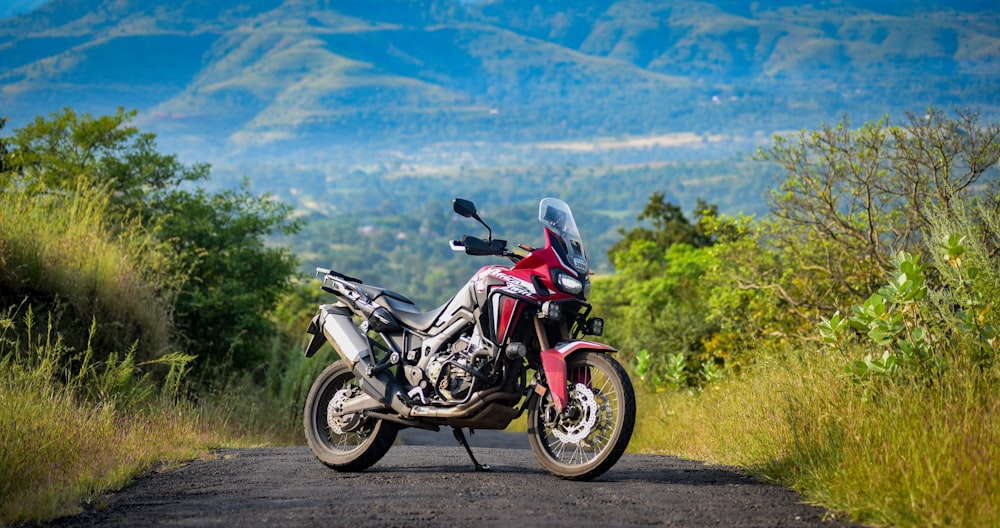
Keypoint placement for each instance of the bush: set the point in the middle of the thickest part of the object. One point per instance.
(59, 258)
(210, 261)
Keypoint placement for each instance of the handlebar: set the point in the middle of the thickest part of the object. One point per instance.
(476, 246)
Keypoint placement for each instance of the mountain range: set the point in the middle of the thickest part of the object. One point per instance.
(496, 81)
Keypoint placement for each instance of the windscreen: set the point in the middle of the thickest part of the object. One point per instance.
(556, 216)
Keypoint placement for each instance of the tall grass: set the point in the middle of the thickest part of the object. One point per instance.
(264, 406)
(71, 435)
(67, 254)
(918, 455)
(66, 437)
(91, 391)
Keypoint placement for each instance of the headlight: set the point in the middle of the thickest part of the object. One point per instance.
(568, 284)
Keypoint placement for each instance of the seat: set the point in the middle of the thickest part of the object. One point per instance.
(402, 308)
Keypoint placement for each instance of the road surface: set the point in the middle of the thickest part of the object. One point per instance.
(431, 482)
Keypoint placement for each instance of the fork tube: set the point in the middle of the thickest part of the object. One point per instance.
(543, 338)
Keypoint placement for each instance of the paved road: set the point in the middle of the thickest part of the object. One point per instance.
(434, 485)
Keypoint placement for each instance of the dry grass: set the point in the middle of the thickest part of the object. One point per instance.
(68, 437)
(917, 455)
(64, 249)
(84, 415)
(59, 450)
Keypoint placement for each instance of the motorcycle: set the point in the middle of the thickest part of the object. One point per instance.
(507, 343)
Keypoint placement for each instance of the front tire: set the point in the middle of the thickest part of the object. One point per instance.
(352, 443)
(596, 424)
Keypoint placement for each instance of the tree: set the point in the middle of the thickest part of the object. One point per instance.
(68, 149)
(670, 226)
(235, 279)
(229, 278)
(657, 295)
(856, 197)
(849, 201)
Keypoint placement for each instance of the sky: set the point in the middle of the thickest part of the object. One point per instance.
(9, 8)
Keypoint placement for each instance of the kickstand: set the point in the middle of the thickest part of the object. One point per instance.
(460, 436)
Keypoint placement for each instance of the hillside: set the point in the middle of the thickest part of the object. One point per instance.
(485, 82)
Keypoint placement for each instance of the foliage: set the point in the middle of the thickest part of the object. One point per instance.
(67, 150)
(847, 203)
(897, 326)
(852, 198)
(963, 246)
(914, 331)
(670, 226)
(223, 310)
(216, 271)
(656, 297)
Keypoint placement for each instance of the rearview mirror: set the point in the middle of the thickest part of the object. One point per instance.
(465, 208)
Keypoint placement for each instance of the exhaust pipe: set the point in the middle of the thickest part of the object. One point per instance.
(465, 410)
(335, 324)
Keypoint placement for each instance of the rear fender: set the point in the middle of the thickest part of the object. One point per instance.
(318, 339)
(554, 366)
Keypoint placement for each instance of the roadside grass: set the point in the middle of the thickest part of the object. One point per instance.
(914, 454)
(265, 406)
(68, 437)
(68, 255)
(91, 391)
(59, 442)
(59, 449)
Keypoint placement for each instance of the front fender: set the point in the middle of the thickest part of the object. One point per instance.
(554, 365)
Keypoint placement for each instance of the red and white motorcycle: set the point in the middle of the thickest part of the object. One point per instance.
(506, 343)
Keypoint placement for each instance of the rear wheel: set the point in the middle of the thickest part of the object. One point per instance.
(595, 427)
(343, 442)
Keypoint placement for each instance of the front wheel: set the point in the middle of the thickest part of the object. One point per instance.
(595, 427)
(343, 442)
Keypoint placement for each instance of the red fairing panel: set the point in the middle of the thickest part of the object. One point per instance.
(554, 364)
(510, 311)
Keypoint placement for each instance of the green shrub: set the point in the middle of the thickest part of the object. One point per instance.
(56, 252)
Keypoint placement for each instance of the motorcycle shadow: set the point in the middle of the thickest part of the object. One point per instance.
(480, 438)
(438, 452)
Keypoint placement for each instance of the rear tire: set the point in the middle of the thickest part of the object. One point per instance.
(596, 425)
(352, 443)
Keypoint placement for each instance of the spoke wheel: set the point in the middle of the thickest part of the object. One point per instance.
(343, 442)
(595, 427)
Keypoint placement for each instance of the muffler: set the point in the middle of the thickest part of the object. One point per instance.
(335, 325)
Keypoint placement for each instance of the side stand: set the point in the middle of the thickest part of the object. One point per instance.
(460, 436)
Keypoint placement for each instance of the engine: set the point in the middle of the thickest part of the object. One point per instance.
(451, 374)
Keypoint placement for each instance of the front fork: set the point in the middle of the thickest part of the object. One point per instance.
(554, 366)
(554, 362)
